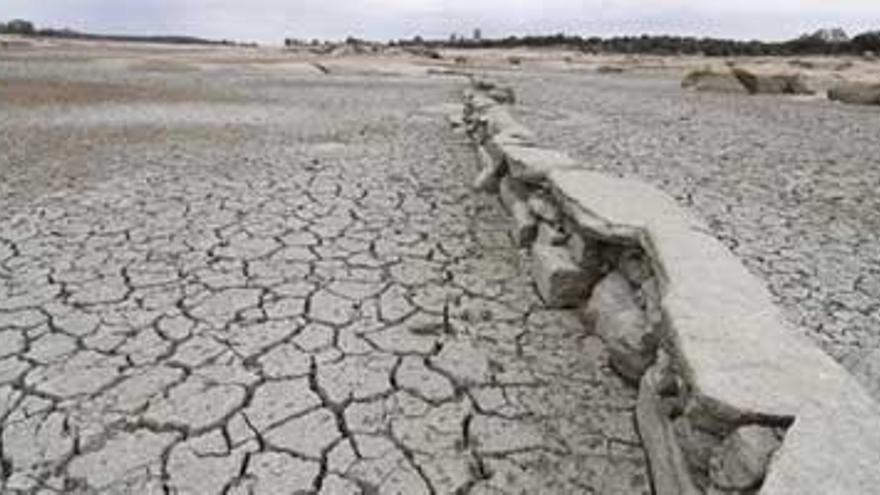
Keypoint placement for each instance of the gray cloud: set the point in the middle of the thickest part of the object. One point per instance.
(271, 20)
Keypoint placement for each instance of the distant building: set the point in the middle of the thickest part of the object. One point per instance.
(478, 34)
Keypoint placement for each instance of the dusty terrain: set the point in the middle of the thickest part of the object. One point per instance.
(228, 270)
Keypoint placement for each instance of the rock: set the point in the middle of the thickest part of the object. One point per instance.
(512, 192)
(706, 80)
(561, 283)
(482, 84)
(476, 103)
(477, 128)
(742, 359)
(585, 253)
(741, 461)
(503, 95)
(697, 445)
(858, 93)
(622, 325)
(525, 226)
(549, 235)
(650, 295)
(490, 176)
(633, 265)
(755, 83)
(486, 181)
(669, 471)
(513, 196)
(543, 207)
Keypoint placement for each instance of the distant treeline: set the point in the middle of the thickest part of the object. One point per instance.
(673, 45)
(27, 28)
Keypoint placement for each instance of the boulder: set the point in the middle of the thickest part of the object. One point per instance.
(740, 463)
(561, 283)
(622, 325)
(858, 93)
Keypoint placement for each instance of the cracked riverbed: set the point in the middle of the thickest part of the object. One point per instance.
(289, 289)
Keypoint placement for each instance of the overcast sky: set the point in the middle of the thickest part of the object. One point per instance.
(273, 20)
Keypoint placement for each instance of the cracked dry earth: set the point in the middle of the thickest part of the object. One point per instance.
(291, 293)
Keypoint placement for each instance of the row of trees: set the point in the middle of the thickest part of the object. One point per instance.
(817, 44)
(27, 28)
(675, 45)
(17, 26)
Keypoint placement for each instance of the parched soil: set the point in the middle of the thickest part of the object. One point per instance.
(28, 92)
(295, 292)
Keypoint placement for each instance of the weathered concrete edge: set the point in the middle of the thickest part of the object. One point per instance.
(743, 361)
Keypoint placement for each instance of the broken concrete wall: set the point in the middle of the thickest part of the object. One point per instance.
(731, 400)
